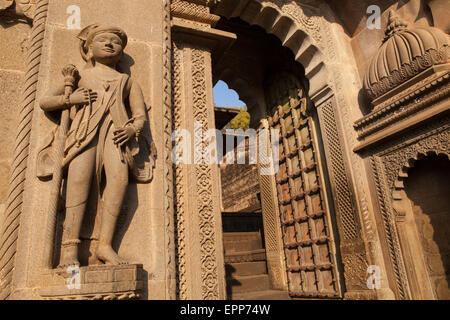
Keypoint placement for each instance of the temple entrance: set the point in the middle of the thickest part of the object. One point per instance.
(427, 188)
(247, 274)
(293, 229)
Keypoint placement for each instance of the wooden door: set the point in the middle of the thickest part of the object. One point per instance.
(307, 239)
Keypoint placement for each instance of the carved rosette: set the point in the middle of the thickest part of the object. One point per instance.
(355, 271)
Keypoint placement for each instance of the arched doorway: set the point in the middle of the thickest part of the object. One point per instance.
(297, 214)
(427, 188)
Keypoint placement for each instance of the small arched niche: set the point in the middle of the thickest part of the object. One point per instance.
(424, 225)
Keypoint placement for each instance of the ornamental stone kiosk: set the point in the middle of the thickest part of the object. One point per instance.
(407, 82)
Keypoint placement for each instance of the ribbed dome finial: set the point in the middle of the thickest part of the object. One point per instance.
(395, 24)
(404, 53)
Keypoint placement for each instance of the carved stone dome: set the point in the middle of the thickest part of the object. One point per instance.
(404, 54)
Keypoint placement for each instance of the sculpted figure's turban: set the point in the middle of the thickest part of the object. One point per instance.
(87, 35)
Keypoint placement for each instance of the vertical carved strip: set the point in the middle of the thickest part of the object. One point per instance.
(393, 249)
(210, 287)
(168, 171)
(344, 202)
(180, 214)
(271, 219)
(352, 248)
(10, 227)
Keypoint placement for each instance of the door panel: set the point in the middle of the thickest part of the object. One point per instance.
(310, 261)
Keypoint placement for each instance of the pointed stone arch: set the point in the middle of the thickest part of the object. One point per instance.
(416, 278)
(398, 194)
(289, 31)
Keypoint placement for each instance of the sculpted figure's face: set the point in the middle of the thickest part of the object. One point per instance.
(107, 46)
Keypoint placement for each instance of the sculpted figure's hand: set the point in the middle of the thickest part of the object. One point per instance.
(82, 96)
(122, 135)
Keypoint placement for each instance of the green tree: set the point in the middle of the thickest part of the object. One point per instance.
(241, 121)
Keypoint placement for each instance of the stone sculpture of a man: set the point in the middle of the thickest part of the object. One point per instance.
(107, 117)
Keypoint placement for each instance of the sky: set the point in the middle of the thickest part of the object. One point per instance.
(226, 97)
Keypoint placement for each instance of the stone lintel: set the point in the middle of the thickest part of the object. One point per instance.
(197, 12)
(401, 126)
(413, 102)
(217, 41)
(321, 96)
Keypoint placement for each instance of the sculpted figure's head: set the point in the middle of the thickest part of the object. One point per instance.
(102, 44)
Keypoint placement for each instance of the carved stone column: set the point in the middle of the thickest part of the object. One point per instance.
(352, 247)
(201, 273)
(273, 237)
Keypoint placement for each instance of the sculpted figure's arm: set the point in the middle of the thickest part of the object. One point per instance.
(55, 100)
(137, 106)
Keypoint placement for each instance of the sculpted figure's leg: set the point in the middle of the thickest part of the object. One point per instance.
(116, 185)
(79, 178)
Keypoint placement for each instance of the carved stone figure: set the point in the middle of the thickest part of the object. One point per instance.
(21, 8)
(107, 116)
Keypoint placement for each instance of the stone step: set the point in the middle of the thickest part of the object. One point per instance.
(262, 295)
(246, 268)
(245, 256)
(240, 284)
(242, 241)
(242, 245)
(237, 236)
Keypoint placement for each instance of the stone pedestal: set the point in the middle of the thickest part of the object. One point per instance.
(97, 283)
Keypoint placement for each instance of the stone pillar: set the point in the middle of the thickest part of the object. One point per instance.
(201, 272)
(273, 236)
(355, 254)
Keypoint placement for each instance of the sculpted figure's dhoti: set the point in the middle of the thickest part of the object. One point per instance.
(107, 118)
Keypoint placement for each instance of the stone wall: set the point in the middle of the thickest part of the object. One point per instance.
(239, 181)
(14, 39)
(240, 188)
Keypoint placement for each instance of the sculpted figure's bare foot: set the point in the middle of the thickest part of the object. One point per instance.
(69, 257)
(107, 255)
